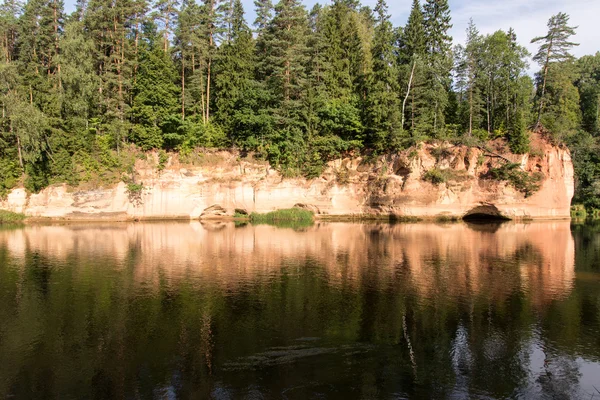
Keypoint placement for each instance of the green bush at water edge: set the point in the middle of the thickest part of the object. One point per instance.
(8, 217)
(294, 215)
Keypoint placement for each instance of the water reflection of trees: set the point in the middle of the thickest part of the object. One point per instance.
(133, 311)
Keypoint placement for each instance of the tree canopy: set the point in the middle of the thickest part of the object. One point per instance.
(303, 88)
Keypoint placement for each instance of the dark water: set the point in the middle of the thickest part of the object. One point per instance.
(338, 311)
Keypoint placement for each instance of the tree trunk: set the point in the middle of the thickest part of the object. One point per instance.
(136, 49)
(435, 119)
(182, 88)
(56, 45)
(546, 64)
(287, 80)
(412, 72)
(229, 20)
(492, 105)
(471, 109)
(166, 35)
(208, 92)
(412, 110)
(6, 53)
(19, 149)
(210, 45)
(507, 101)
(487, 105)
(488, 112)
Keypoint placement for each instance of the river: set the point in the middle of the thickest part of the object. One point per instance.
(328, 311)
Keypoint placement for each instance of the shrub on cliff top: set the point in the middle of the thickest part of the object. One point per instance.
(438, 176)
(435, 176)
(524, 182)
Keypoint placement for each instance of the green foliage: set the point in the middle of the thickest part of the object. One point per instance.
(202, 135)
(135, 192)
(438, 176)
(435, 176)
(9, 217)
(520, 144)
(522, 181)
(441, 152)
(163, 158)
(588, 84)
(585, 152)
(36, 177)
(155, 102)
(481, 134)
(578, 211)
(291, 215)
(9, 175)
(438, 45)
(518, 139)
(77, 92)
(383, 103)
(554, 50)
(561, 113)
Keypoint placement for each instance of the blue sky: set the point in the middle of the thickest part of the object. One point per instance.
(528, 18)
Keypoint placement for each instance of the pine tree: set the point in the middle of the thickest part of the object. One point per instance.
(80, 82)
(413, 36)
(233, 67)
(189, 54)
(166, 15)
(588, 84)
(264, 12)
(212, 25)
(40, 27)
(438, 49)
(30, 129)
(554, 48)
(155, 108)
(108, 25)
(383, 103)
(562, 112)
(467, 74)
(333, 110)
(514, 66)
(338, 32)
(284, 65)
(9, 29)
(411, 55)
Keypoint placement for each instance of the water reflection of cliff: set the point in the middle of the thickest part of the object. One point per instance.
(457, 259)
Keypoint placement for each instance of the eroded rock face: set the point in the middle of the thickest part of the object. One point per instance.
(214, 211)
(400, 184)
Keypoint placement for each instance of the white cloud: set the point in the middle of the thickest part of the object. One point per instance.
(529, 20)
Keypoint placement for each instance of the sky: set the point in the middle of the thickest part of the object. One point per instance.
(527, 17)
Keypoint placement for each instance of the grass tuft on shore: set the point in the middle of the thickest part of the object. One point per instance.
(286, 216)
(9, 217)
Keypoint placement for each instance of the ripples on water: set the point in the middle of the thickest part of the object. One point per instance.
(174, 310)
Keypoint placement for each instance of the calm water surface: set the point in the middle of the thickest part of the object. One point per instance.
(340, 311)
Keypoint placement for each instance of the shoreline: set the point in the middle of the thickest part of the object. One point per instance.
(362, 218)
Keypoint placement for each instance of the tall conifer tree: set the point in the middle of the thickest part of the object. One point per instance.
(438, 47)
(555, 47)
(383, 103)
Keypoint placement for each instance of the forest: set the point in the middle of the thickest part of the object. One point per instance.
(84, 94)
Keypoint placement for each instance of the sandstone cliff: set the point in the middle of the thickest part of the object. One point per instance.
(432, 180)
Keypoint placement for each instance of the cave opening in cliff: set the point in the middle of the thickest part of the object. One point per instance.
(485, 213)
